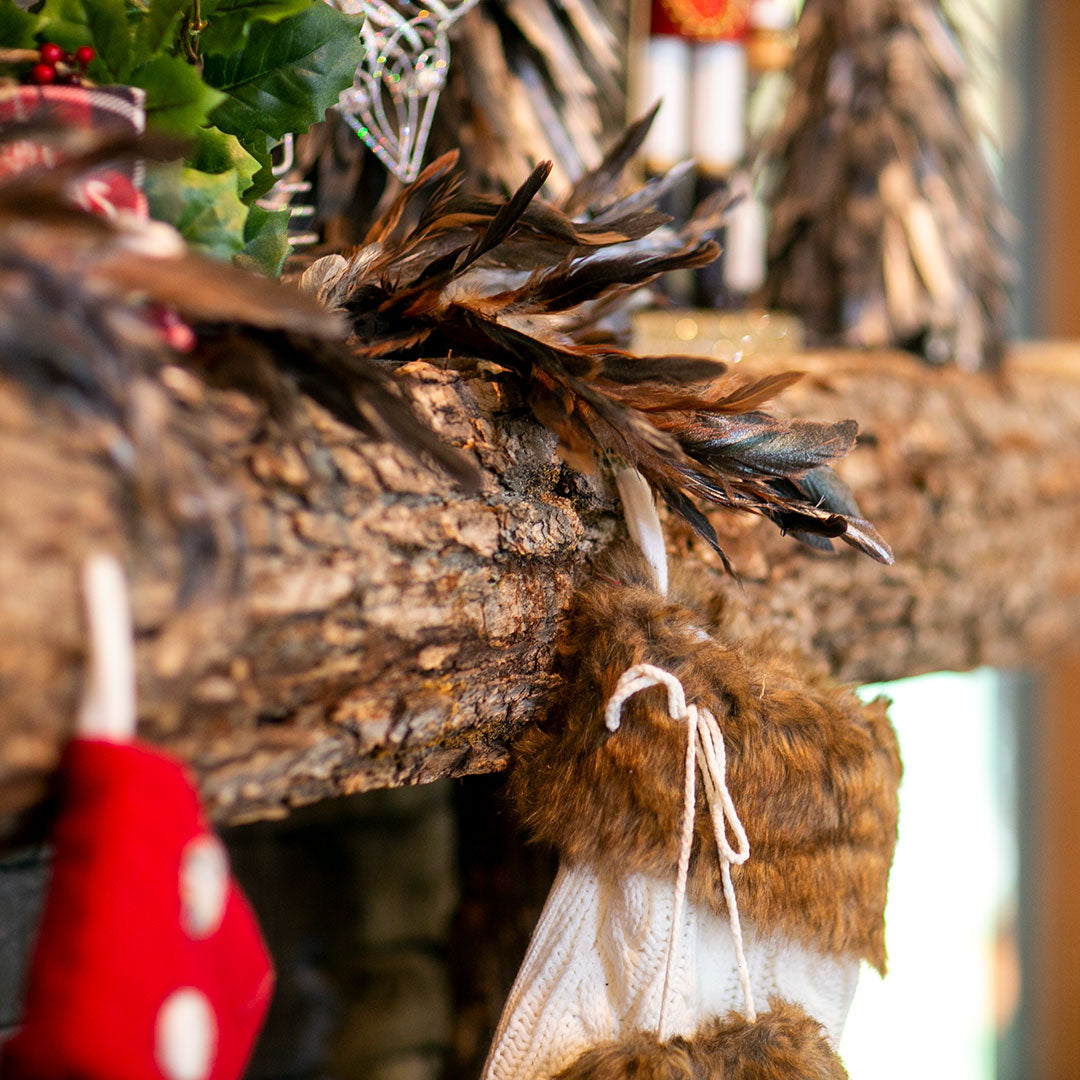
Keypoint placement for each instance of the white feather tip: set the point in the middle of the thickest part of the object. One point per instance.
(643, 522)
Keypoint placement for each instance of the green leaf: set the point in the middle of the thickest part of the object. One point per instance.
(65, 22)
(266, 241)
(177, 100)
(231, 20)
(155, 28)
(205, 209)
(258, 146)
(288, 75)
(215, 152)
(17, 27)
(102, 24)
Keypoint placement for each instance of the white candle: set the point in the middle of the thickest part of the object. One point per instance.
(667, 78)
(772, 14)
(718, 132)
(744, 246)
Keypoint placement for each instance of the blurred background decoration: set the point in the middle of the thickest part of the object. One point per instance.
(861, 156)
(955, 889)
(888, 227)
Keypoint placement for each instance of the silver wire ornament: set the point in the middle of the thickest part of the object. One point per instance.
(392, 100)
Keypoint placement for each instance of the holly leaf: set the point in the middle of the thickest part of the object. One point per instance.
(266, 241)
(155, 29)
(231, 21)
(177, 100)
(66, 22)
(288, 75)
(17, 27)
(205, 209)
(259, 146)
(215, 152)
(101, 24)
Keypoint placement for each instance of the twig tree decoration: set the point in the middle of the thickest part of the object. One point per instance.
(887, 223)
(538, 80)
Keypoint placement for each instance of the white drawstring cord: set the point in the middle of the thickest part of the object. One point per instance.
(701, 727)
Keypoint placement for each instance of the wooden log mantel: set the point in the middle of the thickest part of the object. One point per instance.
(368, 625)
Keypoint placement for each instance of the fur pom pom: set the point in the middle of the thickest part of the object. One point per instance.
(813, 772)
(783, 1044)
(642, 1057)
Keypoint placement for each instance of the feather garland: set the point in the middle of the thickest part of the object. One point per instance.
(442, 273)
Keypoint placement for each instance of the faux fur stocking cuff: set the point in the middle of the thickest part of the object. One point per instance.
(812, 771)
(782, 1044)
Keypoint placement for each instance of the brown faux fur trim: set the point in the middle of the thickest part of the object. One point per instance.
(812, 771)
(784, 1044)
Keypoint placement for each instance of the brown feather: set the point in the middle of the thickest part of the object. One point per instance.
(207, 291)
(595, 188)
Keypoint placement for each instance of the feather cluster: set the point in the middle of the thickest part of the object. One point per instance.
(888, 227)
(524, 283)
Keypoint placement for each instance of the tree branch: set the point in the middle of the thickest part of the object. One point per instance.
(370, 626)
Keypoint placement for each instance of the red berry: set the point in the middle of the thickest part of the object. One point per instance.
(43, 74)
(84, 54)
(50, 53)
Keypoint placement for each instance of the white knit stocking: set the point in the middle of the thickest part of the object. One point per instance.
(594, 971)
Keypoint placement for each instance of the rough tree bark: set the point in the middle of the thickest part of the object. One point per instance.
(371, 626)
